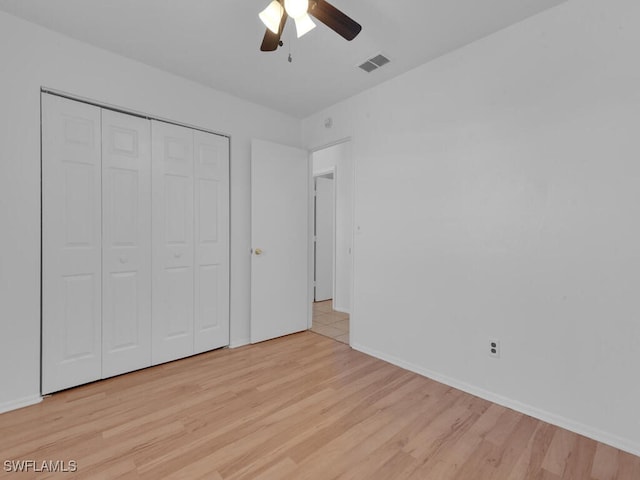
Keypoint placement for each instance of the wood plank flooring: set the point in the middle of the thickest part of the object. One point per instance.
(295, 408)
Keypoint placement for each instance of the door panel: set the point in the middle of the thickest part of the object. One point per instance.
(178, 194)
(212, 241)
(126, 230)
(71, 234)
(123, 331)
(280, 301)
(79, 334)
(324, 259)
(178, 302)
(173, 246)
(79, 205)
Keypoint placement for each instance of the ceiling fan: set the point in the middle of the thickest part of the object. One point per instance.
(276, 14)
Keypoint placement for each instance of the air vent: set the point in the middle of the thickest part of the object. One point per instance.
(374, 63)
(379, 60)
(368, 66)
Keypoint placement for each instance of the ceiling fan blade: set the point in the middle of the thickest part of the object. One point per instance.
(271, 40)
(334, 19)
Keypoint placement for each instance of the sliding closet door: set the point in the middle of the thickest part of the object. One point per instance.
(173, 245)
(126, 243)
(212, 241)
(71, 271)
(135, 226)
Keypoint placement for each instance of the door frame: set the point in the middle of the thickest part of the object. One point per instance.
(311, 218)
(312, 151)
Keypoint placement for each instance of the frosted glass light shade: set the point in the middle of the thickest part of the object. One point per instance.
(304, 24)
(296, 8)
(272, 15)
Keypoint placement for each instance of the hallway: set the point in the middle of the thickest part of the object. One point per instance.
(329, 322)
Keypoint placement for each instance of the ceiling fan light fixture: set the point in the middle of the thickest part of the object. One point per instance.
(296, 8)
(304, 24)
(301, 11)
(272, 15)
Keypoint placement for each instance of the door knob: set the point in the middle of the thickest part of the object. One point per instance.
(258, 251)
(177, 255)
(123, 259)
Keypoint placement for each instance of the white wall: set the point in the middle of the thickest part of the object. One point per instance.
(498, 195)
(31, 57)
(338, 157)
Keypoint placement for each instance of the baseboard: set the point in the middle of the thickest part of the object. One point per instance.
(19, 403)
(558, 420)
(239, 343)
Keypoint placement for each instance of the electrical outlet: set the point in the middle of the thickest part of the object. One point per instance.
(494, 348)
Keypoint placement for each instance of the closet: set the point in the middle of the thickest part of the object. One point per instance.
(135, 242)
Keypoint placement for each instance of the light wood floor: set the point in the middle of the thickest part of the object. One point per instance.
(329, 322)
(299, 407)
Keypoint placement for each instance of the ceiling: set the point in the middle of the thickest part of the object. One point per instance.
(216, 42)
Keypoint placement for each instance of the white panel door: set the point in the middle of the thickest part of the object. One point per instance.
(126, 243)
(173, 242)
(71, 243)
(211, 282)
(324, 230)
(280, 301)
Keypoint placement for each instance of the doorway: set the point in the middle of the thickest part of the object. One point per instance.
(329, 322)
(332, 241)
